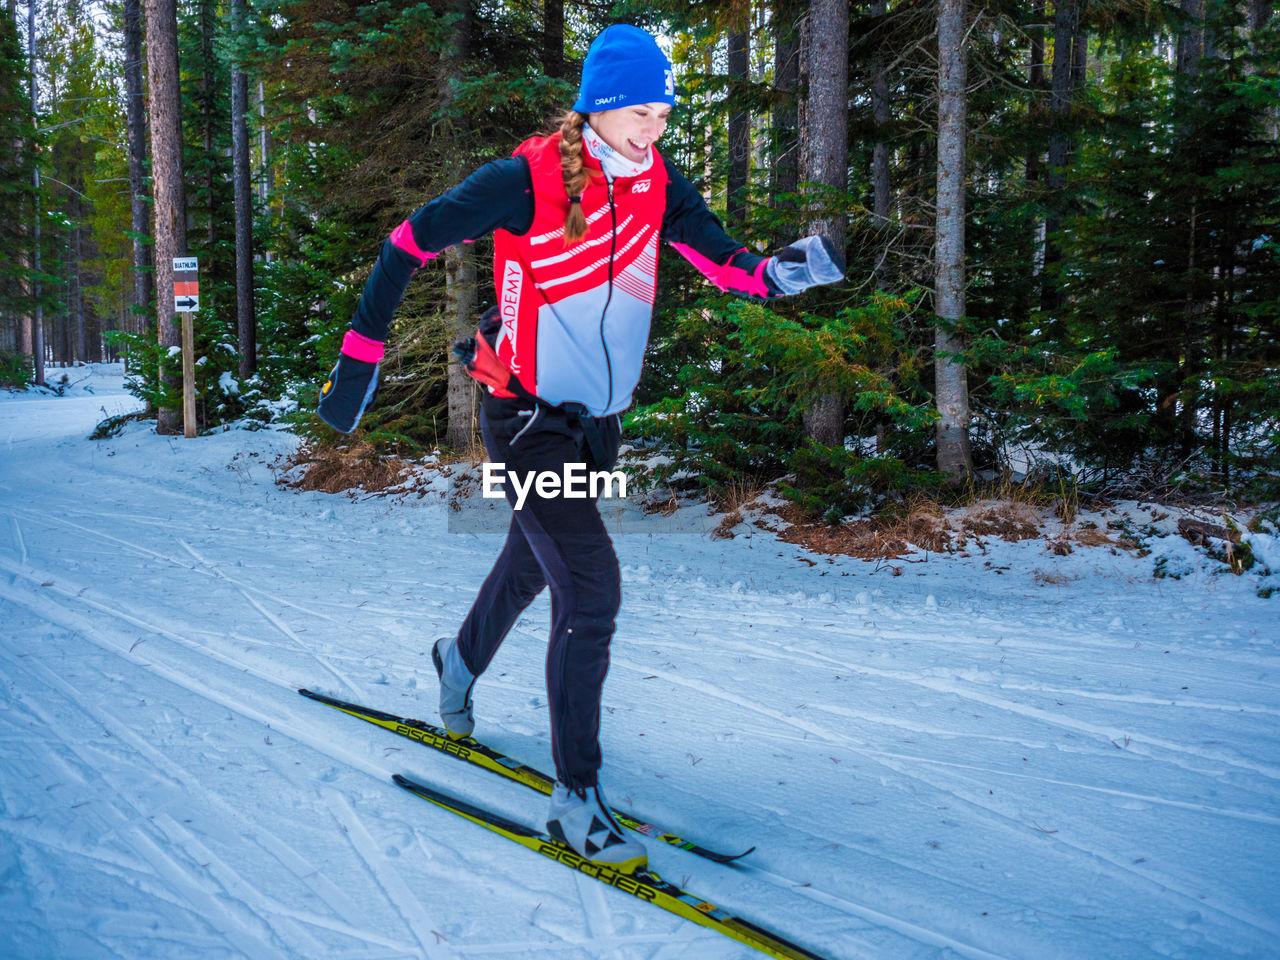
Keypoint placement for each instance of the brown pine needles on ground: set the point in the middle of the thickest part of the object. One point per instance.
(344, 469)
(929, 526)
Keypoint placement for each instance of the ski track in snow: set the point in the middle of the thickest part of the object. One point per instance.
(1110, 736)
(953, 764)
(139, 828)
(387, 878)
(184, 782)
(904, 769)
(201, 566)
(272, 619)
(592, 894)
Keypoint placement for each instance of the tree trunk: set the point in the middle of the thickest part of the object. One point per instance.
(951, 387)
(1068, 53)
(37, 324)
(460, 273)
(1260, 12)
(92, 318)
(708, 141)
(825, 137)
(25, 340)
(136, 127)
(739, 133)
(62, 347)
(881, 177)
(1188, 347)
(266, 172)
(207, 14)
(1066, 36)
(1191, 39)
(1035, 158)
(246, 322)
(553, 38)
(463, 395)
(78, 345)
(786, 80)
(85, 343)
(61, 352)
(824, 159)
(170, 191)
(824, 421)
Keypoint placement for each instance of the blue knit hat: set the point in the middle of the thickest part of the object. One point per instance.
(624, 66)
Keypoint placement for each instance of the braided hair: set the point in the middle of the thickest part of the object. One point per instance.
(575, 174)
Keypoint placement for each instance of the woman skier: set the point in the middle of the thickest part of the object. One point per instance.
(577, 218)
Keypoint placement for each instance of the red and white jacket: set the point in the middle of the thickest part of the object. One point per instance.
(575, 317)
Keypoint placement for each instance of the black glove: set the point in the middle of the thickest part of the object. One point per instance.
(351, 387)
(804, 264)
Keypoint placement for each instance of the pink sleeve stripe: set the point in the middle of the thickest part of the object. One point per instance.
(726, 276)
(359, 347)
(402, 237)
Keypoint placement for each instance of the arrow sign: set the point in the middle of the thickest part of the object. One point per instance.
(186, 284)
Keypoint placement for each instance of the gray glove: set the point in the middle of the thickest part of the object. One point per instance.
(804, 264)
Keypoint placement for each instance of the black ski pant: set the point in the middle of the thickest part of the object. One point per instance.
(555, 542)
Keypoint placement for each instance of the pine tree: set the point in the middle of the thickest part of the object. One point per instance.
(1172, 307)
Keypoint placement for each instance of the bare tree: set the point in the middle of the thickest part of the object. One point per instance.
(951, 378)
(824, 159)
(246, 322)
(170, 191)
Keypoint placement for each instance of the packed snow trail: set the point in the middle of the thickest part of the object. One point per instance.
(965, 760)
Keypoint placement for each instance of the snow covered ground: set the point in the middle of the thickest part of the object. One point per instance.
(1012, 755)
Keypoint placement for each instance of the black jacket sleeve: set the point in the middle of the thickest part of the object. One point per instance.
(698, 235)
(497, 196)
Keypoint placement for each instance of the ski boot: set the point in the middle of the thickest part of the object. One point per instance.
(579, 818)
(456, 682)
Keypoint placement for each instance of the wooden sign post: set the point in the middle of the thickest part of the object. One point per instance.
(186, 301)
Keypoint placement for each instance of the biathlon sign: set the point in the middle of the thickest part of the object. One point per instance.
(186, 284)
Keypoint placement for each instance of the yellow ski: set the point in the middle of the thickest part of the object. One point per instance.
(642, 885)
(474, 752)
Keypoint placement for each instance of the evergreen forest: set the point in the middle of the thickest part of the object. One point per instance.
(1061, 220)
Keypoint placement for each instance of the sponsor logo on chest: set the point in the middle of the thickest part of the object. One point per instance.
(640, 186)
